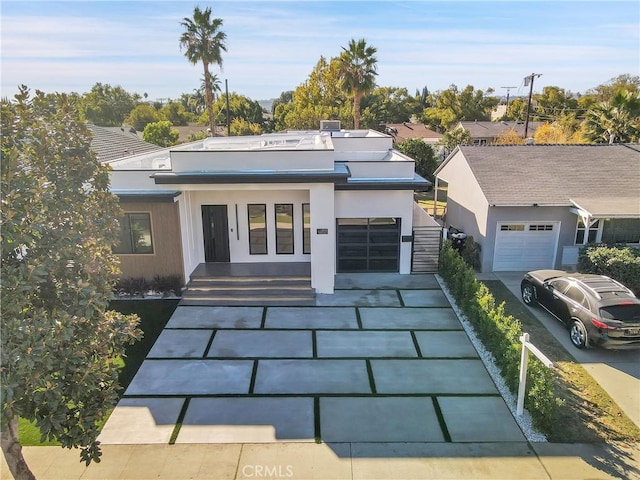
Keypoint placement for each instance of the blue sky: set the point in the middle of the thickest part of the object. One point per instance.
(273, 45)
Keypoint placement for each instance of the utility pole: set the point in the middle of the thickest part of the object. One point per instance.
(508, 89)
(226, 91)
(529, 81)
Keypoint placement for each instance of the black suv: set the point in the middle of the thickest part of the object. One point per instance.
(596, 309)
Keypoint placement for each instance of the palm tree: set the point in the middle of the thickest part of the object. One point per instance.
(615, 121)
(204, 42)
(358, 68)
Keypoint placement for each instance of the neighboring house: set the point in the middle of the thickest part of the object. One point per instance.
(339, 200)
(406, 130)
(485, 133)
(533, 207)
(110, 143)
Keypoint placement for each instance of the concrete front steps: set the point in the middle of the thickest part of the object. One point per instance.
(250, 290)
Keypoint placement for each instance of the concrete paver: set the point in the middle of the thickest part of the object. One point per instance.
(359, 298)
(387, 419)
(384, 281)
(365, 344)
(432, 377)
(142, 420)
(241, 420)
(311, 317)
(410, 318)
(216, 317)
(312, 377)
(191, 377)
(424, 298)
(180, 344)
(262, 343)
(479, 419)
(445, 344)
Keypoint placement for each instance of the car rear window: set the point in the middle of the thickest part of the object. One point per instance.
(624, 313)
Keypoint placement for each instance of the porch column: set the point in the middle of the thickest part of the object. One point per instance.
(323, 237)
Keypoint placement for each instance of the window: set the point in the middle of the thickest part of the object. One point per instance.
(512, 228)
(575, 294)
(368, 244)
(559, 284)
(284, 228)
(621, 230)
(592, 232)
(306, 228)
(135, 234)
(540, 228)
(257, 229)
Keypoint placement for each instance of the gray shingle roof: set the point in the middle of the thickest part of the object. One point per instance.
(554, 174)
(493, 129)
(111, 143)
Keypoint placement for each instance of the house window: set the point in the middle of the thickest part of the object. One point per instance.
(284, 228)
(518, 227)
(581, 231)
(257, 229)
(306, 228)
(540, 228)
(135, 234)
(621, 230)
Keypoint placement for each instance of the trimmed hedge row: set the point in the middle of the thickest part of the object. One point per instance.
(139, 286)
(500, 334)
(619, 262)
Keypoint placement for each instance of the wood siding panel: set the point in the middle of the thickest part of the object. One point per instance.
(167, 246)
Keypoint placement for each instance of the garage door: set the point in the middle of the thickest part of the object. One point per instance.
(525, 246)
(368, 244)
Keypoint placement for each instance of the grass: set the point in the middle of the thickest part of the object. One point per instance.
(154, 315)
(588, 414)
(427, 202)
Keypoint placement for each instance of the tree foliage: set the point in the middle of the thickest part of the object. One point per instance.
(423, 154)
(358, 70)
(106, 105)
(617, 120)
(240, 107)
(550, 133)
(388, 105)
(176, 113)
(142, 115)
(318, 98)
(453, 138)
(204, 41)
(453, 105)
(160, 133)
(240, 126)
(59, 342)
(509, 137)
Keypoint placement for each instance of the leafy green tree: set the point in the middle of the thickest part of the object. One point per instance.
(284, 98)
(622, 83)
(517, 110)
(141, 115)
(240, 107)
(453, 138)
(204, 42)
(423, 154)
(453, 105)
(387, 105)
(106, 105)
(176, 113)
(318, 98)
(553, 103)
(617, 120)
(160, 133)
(60, 345)
(240, 126)
(509, 137)
(358, 70)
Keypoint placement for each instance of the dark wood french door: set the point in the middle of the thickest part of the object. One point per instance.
(215, 225)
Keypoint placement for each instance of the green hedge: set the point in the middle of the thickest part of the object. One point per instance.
(500, 334)
(618, 262)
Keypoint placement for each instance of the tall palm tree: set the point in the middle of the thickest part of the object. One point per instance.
(358, 68)
(204, 42)
(615, 121)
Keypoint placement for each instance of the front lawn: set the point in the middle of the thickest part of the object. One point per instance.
(154, 315)
(588, 413)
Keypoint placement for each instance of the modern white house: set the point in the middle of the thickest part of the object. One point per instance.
(335, 200)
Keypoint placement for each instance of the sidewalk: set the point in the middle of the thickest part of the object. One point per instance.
(302, 461)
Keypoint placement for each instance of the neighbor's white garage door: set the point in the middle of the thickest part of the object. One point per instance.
(525, 246)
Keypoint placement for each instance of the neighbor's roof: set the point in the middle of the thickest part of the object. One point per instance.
(111, 143)
(493, 129)
(555, 174)
(408, 130)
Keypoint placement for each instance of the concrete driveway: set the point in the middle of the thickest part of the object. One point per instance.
(618, 372)
(384, 359)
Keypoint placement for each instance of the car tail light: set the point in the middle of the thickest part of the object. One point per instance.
(602, 325)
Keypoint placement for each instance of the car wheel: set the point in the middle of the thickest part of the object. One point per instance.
(528, 294)
(578, 334)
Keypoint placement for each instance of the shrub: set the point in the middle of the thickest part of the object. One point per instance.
(500, 334)
(132, 287)
(167, 285)
(471, 253)
(618, 262)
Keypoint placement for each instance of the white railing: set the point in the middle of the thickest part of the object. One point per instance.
(524, 361)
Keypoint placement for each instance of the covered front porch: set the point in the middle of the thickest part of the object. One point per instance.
(258, 283)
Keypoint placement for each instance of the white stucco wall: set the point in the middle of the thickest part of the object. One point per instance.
(192, 161)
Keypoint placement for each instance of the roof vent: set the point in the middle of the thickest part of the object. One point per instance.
(528, 141)
(330, 125)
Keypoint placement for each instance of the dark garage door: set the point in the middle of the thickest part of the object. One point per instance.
(368, 244)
